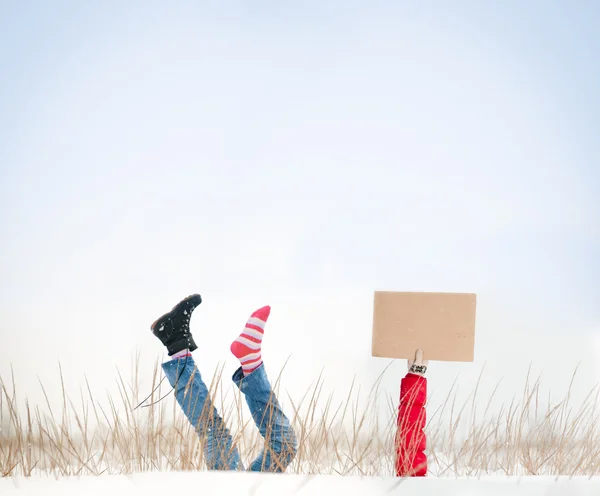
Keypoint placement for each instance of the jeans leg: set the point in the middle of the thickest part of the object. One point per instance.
(280, 440)
(192, 395)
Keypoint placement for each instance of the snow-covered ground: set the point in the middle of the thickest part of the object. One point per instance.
(239, 484)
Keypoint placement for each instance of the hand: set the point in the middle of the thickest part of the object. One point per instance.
(418, 366)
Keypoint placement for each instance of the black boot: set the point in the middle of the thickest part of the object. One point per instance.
(173, 328)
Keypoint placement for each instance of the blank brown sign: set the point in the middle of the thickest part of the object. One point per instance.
(441, 324)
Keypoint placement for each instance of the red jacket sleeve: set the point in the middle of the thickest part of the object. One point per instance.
(411, 460)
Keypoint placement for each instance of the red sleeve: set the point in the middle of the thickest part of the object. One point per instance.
(411, 460)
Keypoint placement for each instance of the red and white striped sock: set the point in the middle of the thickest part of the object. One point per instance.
(247, 346)
(181, 354)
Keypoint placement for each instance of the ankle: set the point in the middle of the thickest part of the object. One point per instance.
(181, 354)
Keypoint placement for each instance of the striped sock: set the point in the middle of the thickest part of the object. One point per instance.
(247, 345)
(181, 354)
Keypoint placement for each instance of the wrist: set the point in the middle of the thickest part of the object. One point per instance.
(418, 369)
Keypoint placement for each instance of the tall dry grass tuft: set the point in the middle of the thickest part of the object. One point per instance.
(89, 438)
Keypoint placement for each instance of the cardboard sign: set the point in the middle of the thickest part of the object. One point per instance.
(441, 324)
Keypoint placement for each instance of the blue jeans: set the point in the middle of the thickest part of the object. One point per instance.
(219, 451)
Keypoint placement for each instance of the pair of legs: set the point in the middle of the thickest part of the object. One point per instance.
(192, 394)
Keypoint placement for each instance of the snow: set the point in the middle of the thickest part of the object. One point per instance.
(258, 484)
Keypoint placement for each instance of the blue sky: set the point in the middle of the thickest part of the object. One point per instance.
(299, 155)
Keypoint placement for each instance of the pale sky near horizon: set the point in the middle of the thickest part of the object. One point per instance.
(301, 155)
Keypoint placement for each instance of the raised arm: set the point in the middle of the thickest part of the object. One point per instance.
(411, 460)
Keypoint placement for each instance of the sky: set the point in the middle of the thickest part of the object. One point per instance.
(301, 155)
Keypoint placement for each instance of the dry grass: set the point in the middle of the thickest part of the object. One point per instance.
(86, 437)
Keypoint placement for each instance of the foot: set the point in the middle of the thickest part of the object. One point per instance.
(173, 328)
(247, 346)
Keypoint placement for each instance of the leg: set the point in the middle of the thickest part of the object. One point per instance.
(173, 330)
(251, 379)
(280, 440)
(192, 396)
